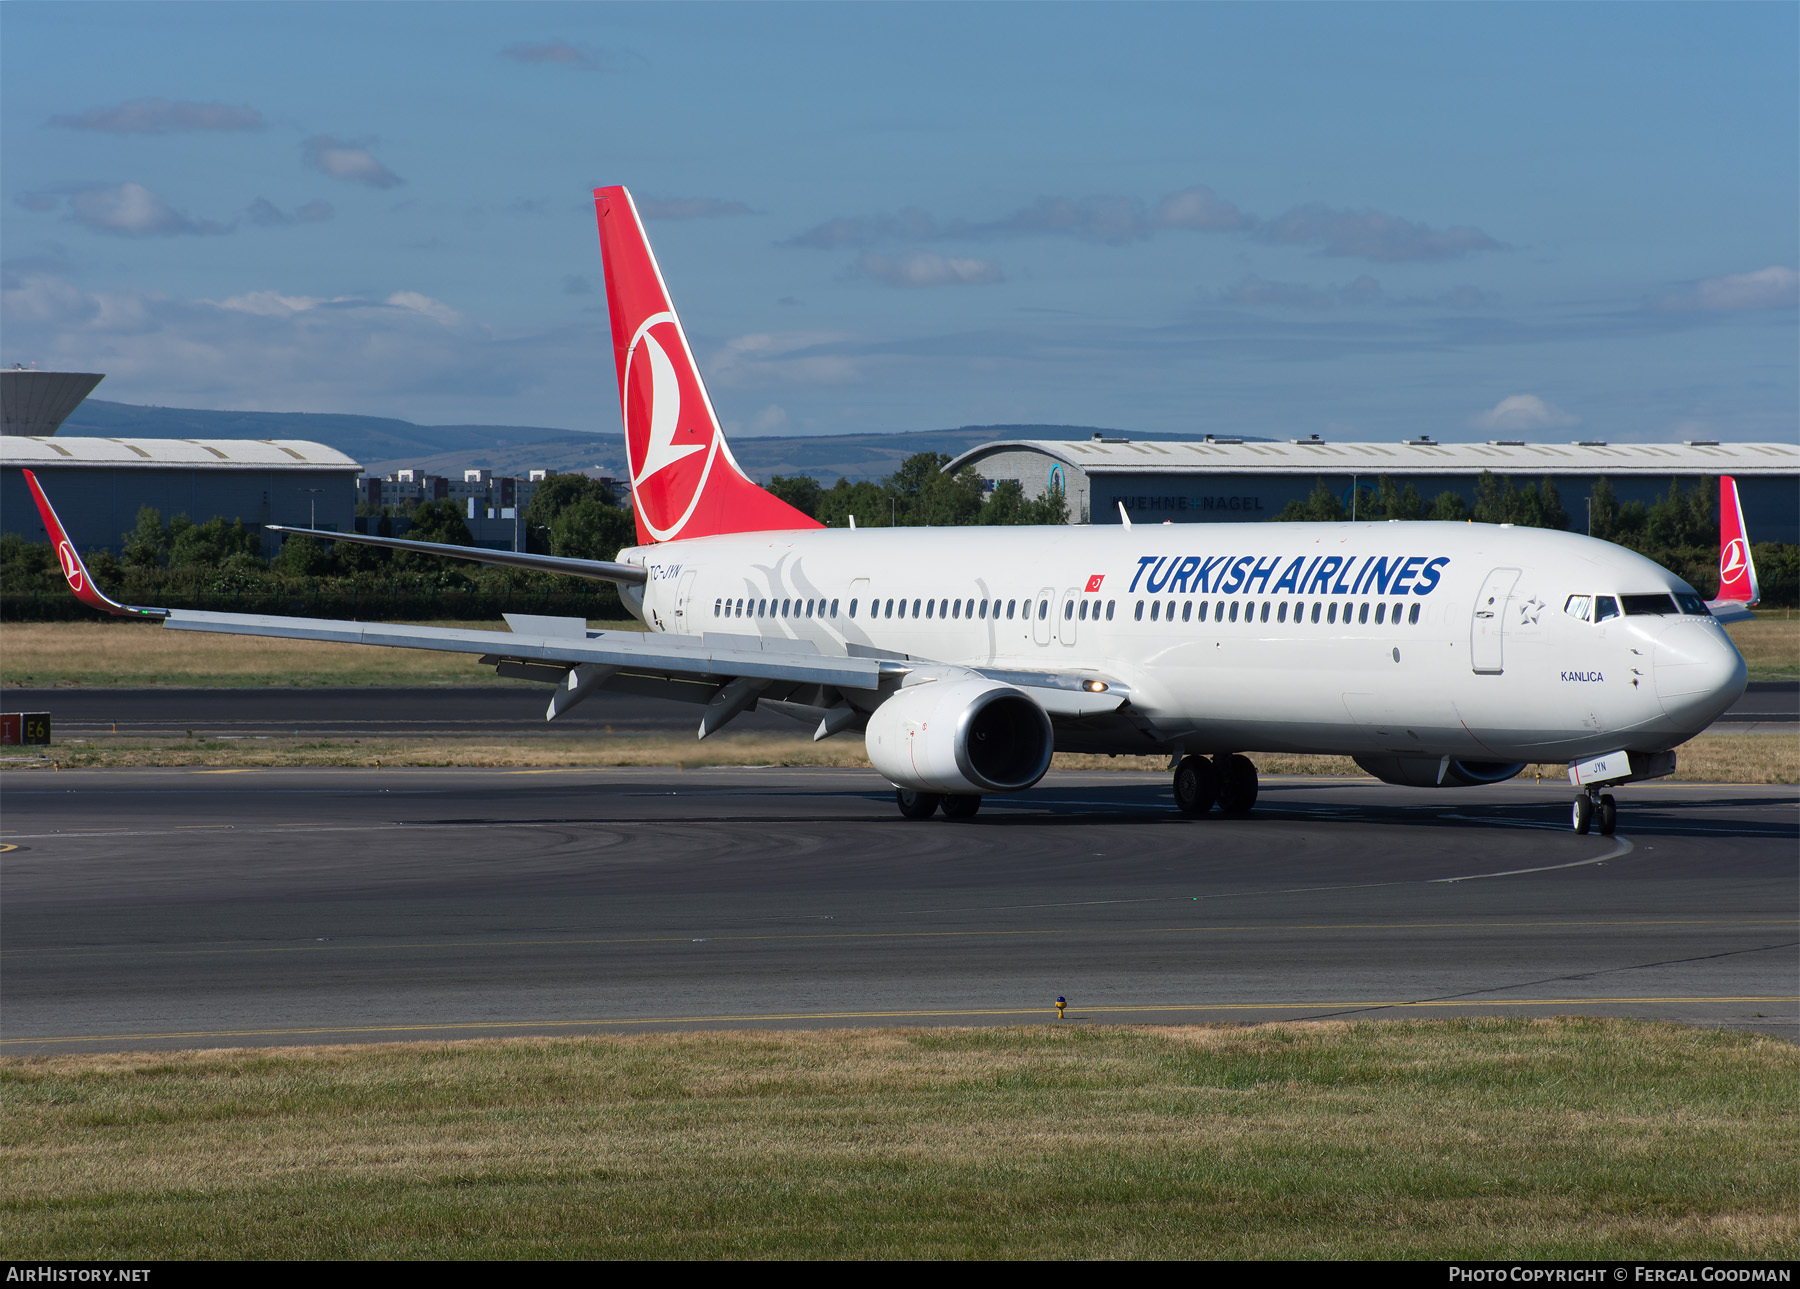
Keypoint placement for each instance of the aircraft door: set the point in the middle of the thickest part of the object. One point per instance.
(686, 623)
(1065, 615)
(1041, 608)
(1487, 625)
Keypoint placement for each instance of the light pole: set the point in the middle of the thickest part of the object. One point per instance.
(314, 522)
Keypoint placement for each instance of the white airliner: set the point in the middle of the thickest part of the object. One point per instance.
(1435, 654)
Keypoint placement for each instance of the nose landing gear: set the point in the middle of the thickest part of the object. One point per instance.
(1595, 811)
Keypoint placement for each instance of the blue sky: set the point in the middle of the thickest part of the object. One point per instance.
(1356, 220)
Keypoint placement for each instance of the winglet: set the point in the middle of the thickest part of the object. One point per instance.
(80, 580)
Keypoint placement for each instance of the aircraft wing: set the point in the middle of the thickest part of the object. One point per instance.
(594, 570)
(727, 673)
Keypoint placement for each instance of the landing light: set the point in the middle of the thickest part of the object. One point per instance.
(1094, 686)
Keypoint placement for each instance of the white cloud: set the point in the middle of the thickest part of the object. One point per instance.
(1372, 235)
(121, 210)
(162, 116)
(923, 268)
(349, 161)
(1202, 209)
(782, 357)
(771, 418)
(1775, 287)
(1523, 412)
(265, 348)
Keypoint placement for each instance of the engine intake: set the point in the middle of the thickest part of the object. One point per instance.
(961, 737)
(1438, 771)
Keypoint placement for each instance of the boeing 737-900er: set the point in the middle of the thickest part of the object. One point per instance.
(1435, 654)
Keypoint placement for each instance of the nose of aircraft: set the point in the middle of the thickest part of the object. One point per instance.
(1699, 673)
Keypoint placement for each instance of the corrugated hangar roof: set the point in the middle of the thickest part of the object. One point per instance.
(174, 454)
(1313, 456)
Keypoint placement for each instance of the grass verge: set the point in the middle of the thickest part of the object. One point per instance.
(1501, 1138)
(1711, 758)
(42, 655)
(120, 655)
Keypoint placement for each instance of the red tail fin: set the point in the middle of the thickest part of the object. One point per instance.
(1737, 573)
(74, 570)
(684, 481)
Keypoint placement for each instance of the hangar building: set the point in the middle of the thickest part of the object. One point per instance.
(98, 485)
(1221, 480)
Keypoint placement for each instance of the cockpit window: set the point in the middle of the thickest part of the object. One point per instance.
(1605, 607)
(1580, 607)
(1648, 605)
(1692, 604)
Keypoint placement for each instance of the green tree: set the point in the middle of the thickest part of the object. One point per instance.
(1449, 507)
(302, 556)
(1321, 507)
(555, 495)
(1603, 510)
(800, 491)
(863, 499)
(147, 545)
(592, 529)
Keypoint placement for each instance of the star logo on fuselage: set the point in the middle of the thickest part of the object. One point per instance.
(1528, 611)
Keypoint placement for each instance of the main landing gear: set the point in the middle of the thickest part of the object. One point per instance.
(1226, 780)
(1595, 811)
(923, 805)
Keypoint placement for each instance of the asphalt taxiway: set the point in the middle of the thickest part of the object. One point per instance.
(201, 908)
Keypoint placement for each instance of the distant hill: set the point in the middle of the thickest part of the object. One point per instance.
(384, 444)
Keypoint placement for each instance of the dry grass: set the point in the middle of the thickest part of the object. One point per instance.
(117, 655)
(1497, 1138)
(1711, 758)
(1770, 645)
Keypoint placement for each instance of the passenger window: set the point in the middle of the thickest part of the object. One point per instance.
(1315, 613)
(1380, 614)
(956, 609)
(834, 605)
(1265, 611)
(889, 611)
(1139, 615)
(1412, 619)
(1082, 616)
(852, 608)
(1068, 610)
(1363, 616)
(1187, 610)
(1109, 609)
(1010, 606)
(1219, 611)
(1396, 613)
(1281, 613)
(1203, 610)
(1234, 610)
(1605, 607)
(915, 608)
(1043, 609)
(929, 605)
(1155, 606)
(1331, 613)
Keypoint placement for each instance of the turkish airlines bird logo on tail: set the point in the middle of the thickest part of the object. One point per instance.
(684, 480)
(1737, 573)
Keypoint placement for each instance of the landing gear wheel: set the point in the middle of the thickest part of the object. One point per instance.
(1196, 785)
(1583, 815)
(1609, 815)
(916, 805)
(1237, 784)
(961, 807)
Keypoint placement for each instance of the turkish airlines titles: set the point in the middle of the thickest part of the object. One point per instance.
(1322, 575)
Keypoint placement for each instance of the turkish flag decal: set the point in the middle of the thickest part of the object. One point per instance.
(1094, 582)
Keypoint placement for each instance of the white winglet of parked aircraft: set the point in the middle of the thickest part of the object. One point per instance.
(1435, 654)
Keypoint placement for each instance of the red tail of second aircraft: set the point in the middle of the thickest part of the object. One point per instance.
(684, 480)
(1737, 572)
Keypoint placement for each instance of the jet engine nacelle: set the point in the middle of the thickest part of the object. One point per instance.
(1437, 771)
(961, 737)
